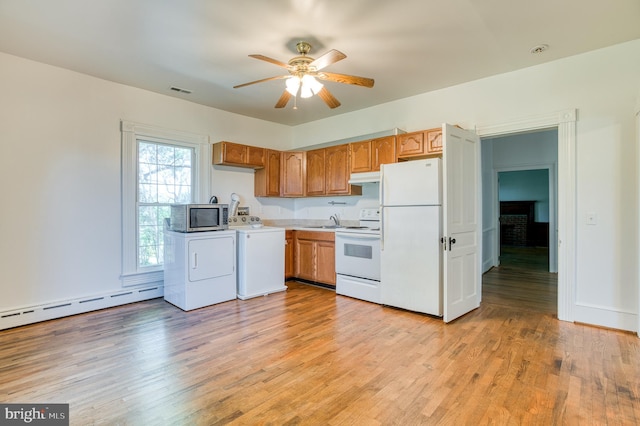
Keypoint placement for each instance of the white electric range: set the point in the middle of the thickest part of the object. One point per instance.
(357, 251)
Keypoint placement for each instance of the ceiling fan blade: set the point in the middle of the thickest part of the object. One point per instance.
(331, 57)
(284, 99)
(280, 77)
(328, 98)
(347, 79)
(270, 60)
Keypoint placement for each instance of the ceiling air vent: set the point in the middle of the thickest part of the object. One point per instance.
(178, 89)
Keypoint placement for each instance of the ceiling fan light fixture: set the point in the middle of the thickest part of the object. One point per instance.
(293, 84)
(314, 85)
(303, 74)
(305, 92)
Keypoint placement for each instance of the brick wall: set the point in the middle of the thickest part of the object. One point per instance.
(513, 229)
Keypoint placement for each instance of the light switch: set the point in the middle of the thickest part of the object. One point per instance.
(592, 218)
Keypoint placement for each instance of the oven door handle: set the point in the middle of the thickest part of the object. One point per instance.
(371, 237)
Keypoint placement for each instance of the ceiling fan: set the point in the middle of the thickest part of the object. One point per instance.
(303, 72)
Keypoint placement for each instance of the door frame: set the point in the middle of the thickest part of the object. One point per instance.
(565, 121)
(551, 170)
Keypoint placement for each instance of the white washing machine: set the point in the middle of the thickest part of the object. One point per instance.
(260, 257)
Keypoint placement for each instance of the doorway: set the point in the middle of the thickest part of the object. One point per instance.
(565, 124)
(520, 211)
(523, 215)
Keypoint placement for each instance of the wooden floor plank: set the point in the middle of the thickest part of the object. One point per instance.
(309, 356)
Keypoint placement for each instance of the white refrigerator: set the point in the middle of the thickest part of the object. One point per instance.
(411, 228)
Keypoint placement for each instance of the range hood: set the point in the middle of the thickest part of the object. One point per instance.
(366, 177)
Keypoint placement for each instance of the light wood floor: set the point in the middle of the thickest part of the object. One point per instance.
(311, 357)
(522, 281)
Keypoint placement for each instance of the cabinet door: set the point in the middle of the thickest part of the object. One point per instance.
(361, 156)
(433, 140)
(234, 153)
(316, 172)
(293, 174)
(410, 144)
(255, 156)
(326, 262)
(337, 160)
(304, 259)
(288, 255)
(267, 180)
(383, 152)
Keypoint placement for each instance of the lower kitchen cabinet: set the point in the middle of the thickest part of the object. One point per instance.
(314, 256)
(288, 255)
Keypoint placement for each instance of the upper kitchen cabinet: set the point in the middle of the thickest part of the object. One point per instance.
(316, 172)
(425, 143)
(383, 151)
(338, 170)
(367, 156)
(234, 154)
(360, 156)
(267, 180)
(293, 174)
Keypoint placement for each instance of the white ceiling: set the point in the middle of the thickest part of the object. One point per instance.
(408, 46)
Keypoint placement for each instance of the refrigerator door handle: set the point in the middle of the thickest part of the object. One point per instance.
(382, 202)
(381, 229)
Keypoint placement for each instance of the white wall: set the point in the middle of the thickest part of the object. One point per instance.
(527, 185)
(60, 168)
(602, 85)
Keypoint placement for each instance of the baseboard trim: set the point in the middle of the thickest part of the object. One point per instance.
(28, 315)
(605, 317)
(486, 265)
(314, 283)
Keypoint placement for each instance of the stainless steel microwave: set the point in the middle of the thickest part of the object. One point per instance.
(199, 217)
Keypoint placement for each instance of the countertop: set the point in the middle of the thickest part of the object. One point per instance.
(318, 225)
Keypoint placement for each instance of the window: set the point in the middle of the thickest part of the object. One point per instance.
(165, 176)
(159, 167)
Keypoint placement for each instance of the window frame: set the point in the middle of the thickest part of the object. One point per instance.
(132, 132)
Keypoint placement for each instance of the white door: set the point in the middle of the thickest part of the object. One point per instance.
(462, 285)
(211, 258)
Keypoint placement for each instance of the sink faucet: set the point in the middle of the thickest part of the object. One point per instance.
(336, 219)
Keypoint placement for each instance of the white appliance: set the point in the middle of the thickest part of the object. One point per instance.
(358, 258)
(199, 268)
(411, 224)
(260, 257)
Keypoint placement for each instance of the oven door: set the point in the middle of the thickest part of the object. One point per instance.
(358, 255)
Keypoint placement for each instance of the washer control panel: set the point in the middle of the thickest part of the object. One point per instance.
(236, 221)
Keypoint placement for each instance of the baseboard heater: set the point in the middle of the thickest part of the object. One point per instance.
(32, 314)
